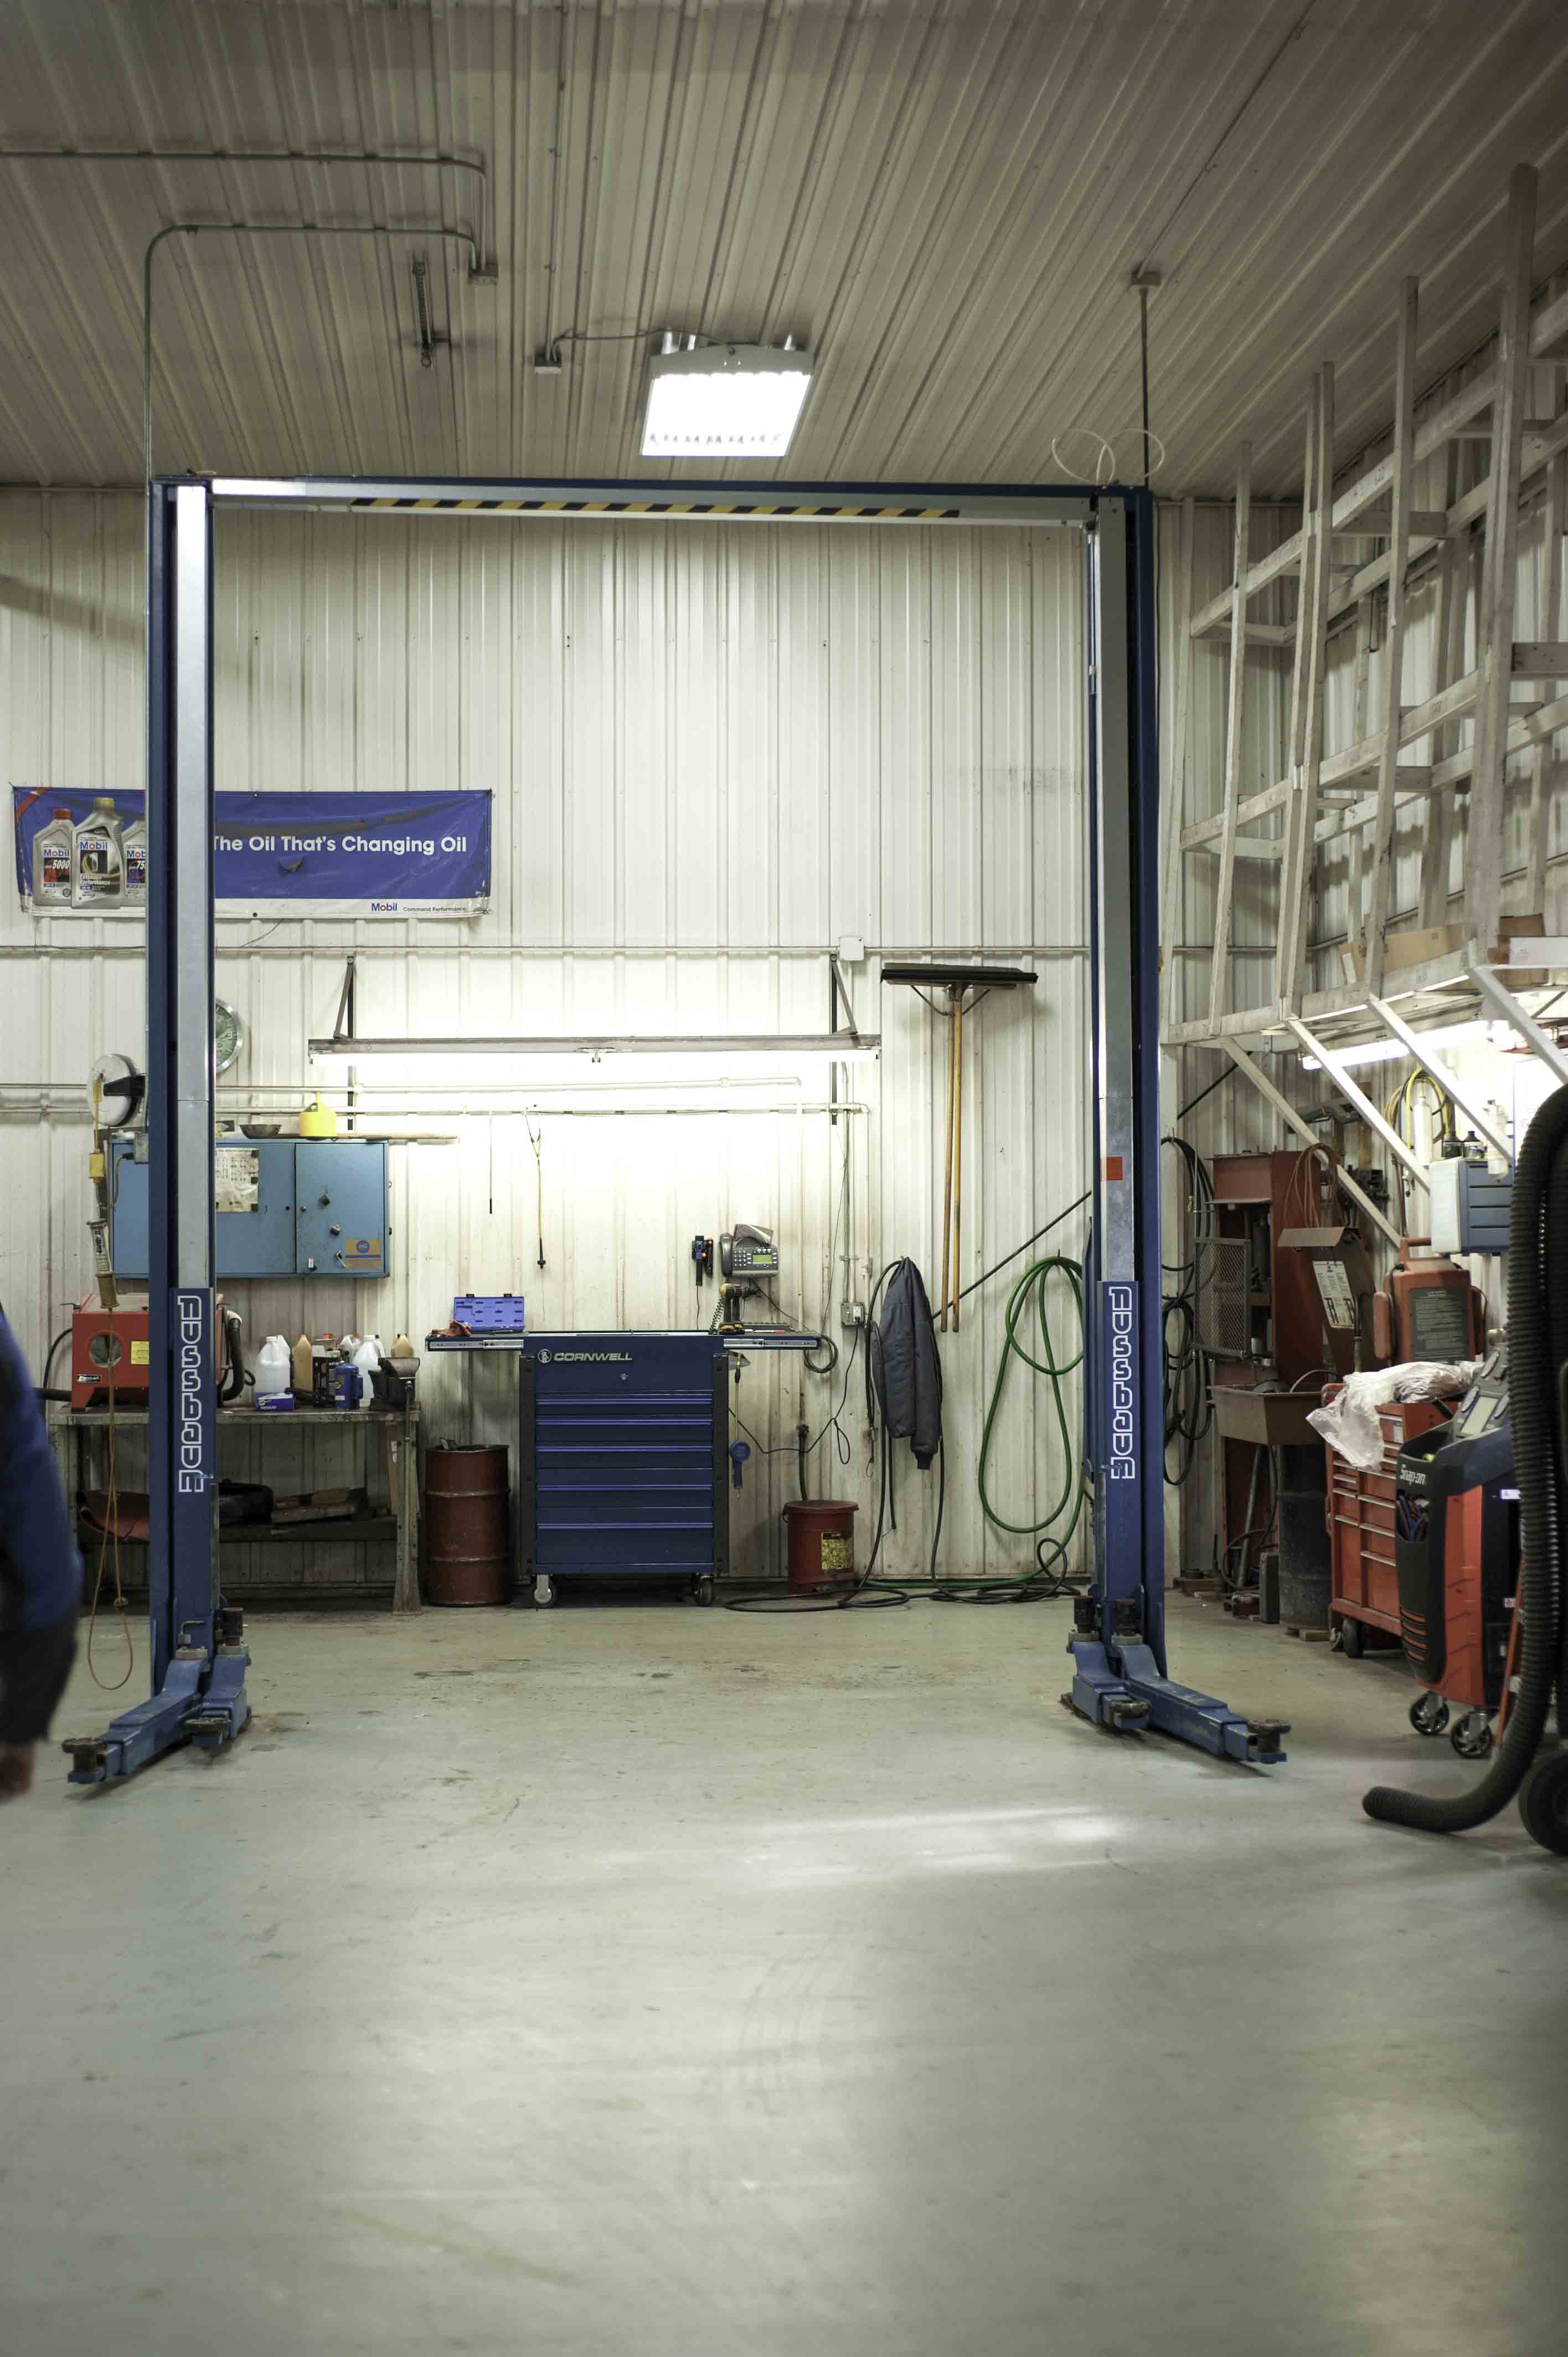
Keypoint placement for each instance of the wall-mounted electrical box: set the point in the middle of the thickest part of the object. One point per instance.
(1471, 1207)
(285, 1207)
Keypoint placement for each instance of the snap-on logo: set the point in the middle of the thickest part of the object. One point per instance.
(1124, 1384)
(191, 1330)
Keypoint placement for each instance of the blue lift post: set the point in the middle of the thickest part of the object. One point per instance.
(1119, 1666)
(198, 1657)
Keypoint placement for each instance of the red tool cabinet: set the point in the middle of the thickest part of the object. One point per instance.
(1364, 1581)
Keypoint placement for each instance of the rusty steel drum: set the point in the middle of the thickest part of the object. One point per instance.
(467, 1549)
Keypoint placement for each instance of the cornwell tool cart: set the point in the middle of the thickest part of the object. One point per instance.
(1119, 1667)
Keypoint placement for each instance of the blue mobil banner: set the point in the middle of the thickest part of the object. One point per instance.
(273, 854)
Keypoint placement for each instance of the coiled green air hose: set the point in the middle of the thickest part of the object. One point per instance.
(1031, 1296)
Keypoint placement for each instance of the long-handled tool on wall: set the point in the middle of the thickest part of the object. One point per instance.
(958, 982)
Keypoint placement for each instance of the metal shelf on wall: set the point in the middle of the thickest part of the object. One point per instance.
(350, 1530)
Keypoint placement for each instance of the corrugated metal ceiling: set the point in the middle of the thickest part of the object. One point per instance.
(945, 197)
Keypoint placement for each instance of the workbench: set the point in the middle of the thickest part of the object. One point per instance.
(73, 1431)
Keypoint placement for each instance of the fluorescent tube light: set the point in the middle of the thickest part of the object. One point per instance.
(1393, 1052)
(725, 400)
(625, 1062)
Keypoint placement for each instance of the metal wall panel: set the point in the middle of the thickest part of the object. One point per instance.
(716, 750)
(945, 200)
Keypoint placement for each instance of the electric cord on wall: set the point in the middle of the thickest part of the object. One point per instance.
(1189, 1397)
(112, 1526)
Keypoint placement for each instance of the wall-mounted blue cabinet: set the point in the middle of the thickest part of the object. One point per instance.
(286, 1207)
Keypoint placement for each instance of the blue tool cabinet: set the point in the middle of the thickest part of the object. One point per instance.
(320, 1210)
(622, 1465)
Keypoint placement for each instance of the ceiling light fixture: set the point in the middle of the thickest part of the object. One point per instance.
(724, 401)
(627, 1062)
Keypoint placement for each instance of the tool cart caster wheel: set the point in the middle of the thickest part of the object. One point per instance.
(1543, 1802)
(1429, 1714)
(703, 1589)
(1472, 1736)
(1352, 1640)
(544, 1589)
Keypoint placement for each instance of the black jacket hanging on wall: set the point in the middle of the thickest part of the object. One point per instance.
(905, 1365)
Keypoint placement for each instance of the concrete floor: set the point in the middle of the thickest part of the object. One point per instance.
(649, 1980)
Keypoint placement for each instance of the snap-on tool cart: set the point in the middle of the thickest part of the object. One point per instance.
(1364, 1591)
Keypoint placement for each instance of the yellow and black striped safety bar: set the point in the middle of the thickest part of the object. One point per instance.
(785, 508)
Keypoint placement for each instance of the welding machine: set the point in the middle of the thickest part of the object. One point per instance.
(109, 1354)
(1456, 1541)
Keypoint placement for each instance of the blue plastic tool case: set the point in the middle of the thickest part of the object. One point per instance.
(320, 1210)
(490, 1313)
(622, 1458)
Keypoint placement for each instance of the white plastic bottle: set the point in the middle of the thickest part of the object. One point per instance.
(53, 851)
(274, 1366)
(367, 1359)
(136, 847)
(98, 861)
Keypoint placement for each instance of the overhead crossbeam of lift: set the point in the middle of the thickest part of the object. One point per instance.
(1120, 1672)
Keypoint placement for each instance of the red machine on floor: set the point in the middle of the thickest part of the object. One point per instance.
(109, 1354)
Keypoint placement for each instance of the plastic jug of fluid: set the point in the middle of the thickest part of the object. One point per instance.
(98, 858)
(275, 1368)
(135, 848)
(365, 1361)
(54, 849)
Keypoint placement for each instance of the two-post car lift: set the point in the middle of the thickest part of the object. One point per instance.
(1118, 1645)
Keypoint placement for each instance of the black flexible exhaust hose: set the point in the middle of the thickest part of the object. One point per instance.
(1538, 1253)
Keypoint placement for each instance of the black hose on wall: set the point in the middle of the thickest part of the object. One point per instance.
(1538, 1334)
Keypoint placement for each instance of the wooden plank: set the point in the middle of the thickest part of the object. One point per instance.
(1393, 630)
(1312, 500)
(1484, 856)
(1431, 521)
(1534, 730)
(1250, 847)
(1540, 659)
(1175, 791)
(1549, 328)
(1236, 715)
(1296, 894)
(1548, 337)
(1554, 518)
(1272, 635)
(1319, 1006)
(1431, 436)
(1448, 635)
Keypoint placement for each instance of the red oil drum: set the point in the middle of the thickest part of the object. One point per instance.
(467, 1554)
(820, 1534)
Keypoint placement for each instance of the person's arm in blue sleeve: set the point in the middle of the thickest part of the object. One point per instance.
(40, 1574)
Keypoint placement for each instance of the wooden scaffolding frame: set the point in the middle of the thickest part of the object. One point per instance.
(1466, 553)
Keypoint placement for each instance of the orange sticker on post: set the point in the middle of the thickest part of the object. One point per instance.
(1113, 1166)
